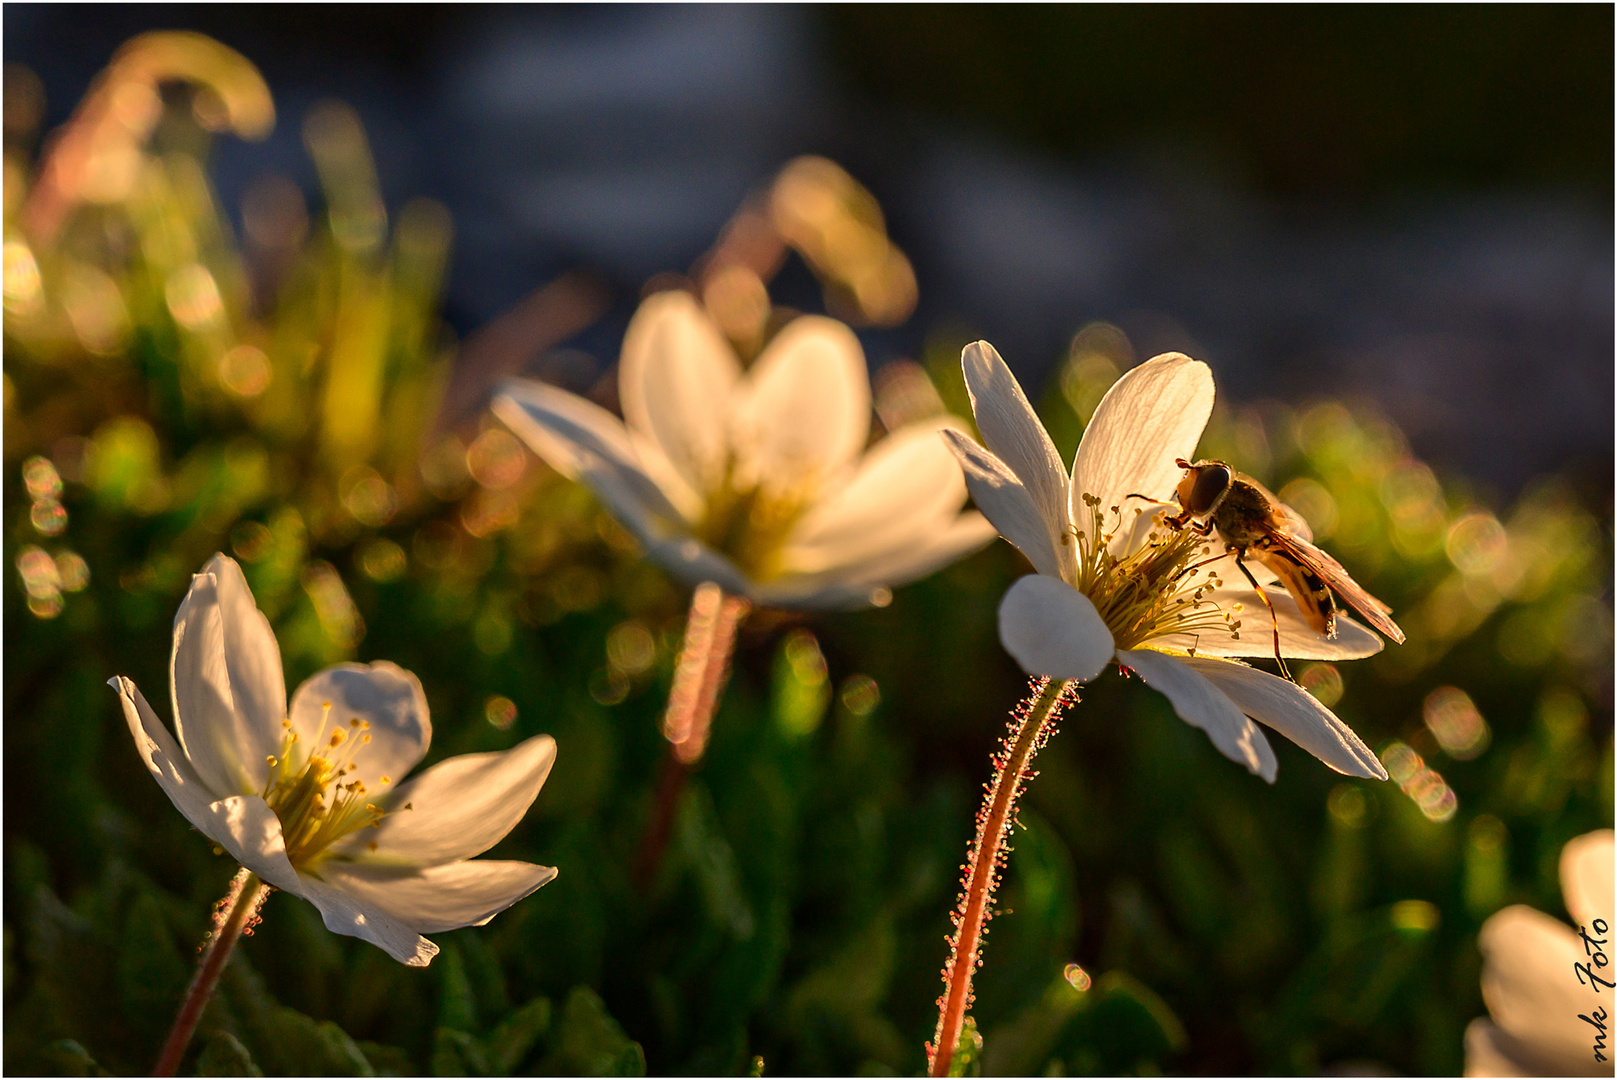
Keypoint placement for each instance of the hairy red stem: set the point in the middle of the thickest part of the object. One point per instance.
(234, 914)
(699, 678)
(1028, 729)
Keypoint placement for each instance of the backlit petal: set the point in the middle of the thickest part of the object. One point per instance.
(441, 897)
(225, 743)
(459, 808)
(1255, 638)
(246, 827)
(1292, 711)
(344, 913)
(1202, 704)
(252, 655)
(860, 583)
(163, 757)
(907, 486)
(383, 695)
(1586, 878)
(676, 375)
(1490, 1052)
(1011, 429)
(583, 441)
(1532, 991)
(1005, 501)
(1152, 415)
(693, 562)
(803, 410)
(1052, 629)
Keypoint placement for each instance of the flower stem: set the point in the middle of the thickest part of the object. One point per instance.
(1029, 727)
(232, 915)
(699, 678)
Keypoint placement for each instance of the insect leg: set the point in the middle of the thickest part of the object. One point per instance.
(1274, 620)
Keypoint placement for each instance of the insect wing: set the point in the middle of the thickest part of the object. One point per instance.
(1336, 576)
(1318, 610)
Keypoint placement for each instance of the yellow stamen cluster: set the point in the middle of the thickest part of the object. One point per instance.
(1152, 590)
(316, 805)
(749, 522)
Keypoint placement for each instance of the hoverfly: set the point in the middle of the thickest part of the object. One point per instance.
(1253, 522)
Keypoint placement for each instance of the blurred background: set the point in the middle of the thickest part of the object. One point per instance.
(255, 298)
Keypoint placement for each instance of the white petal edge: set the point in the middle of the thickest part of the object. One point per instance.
(1052, 629)
(383, 695)
(802, 412)
(1294, 712)
(226, 749)
(1531, 989)
(1006, 501)
(244, 825)
(1152, 415)
(1013, 432)
(860, 584)
(1298, 640)
(1586, 878)
(442, 897)
(1200, 703)
(676, 379)
(460, 807)
(907, 486)
(252, 655)
(1490, 1052)
(582, 440)
(344, 913)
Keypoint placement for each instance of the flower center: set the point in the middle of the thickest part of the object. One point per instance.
(1159, 587)
(749, 523)
(307, 791)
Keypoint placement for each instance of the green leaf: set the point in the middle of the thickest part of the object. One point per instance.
(967, 1057)
(589, 1042)
(518, 1034)
(224, 1055)
(67, 1058)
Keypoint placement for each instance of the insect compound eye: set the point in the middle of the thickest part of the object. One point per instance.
(1212, 481)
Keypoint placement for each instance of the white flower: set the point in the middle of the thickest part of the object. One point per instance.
(756, 480)
(1534, 995)
(1114, 583)
(310, 799)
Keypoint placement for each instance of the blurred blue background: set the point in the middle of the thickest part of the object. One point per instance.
(1412, 205)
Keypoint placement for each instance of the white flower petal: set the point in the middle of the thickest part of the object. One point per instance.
(252, 655)
(907, 486)
(584, 442)
(1292, 711)
(459, 808)
(857, 584)
(1011, 429)
(1052, 629)
(1586, 878)
(163, 757)
(243, 825)
(1152, 415)
(1298, 640)
(803, 410)
(347, 914)
(246, 827)
(1200, 703)
(383, 695)
(225, 743)
(676, 376)
(1007, 503)
(441, 897)
(1490, 1052)
(1532, 991)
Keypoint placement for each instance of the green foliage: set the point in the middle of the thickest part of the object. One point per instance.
(799, 913)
